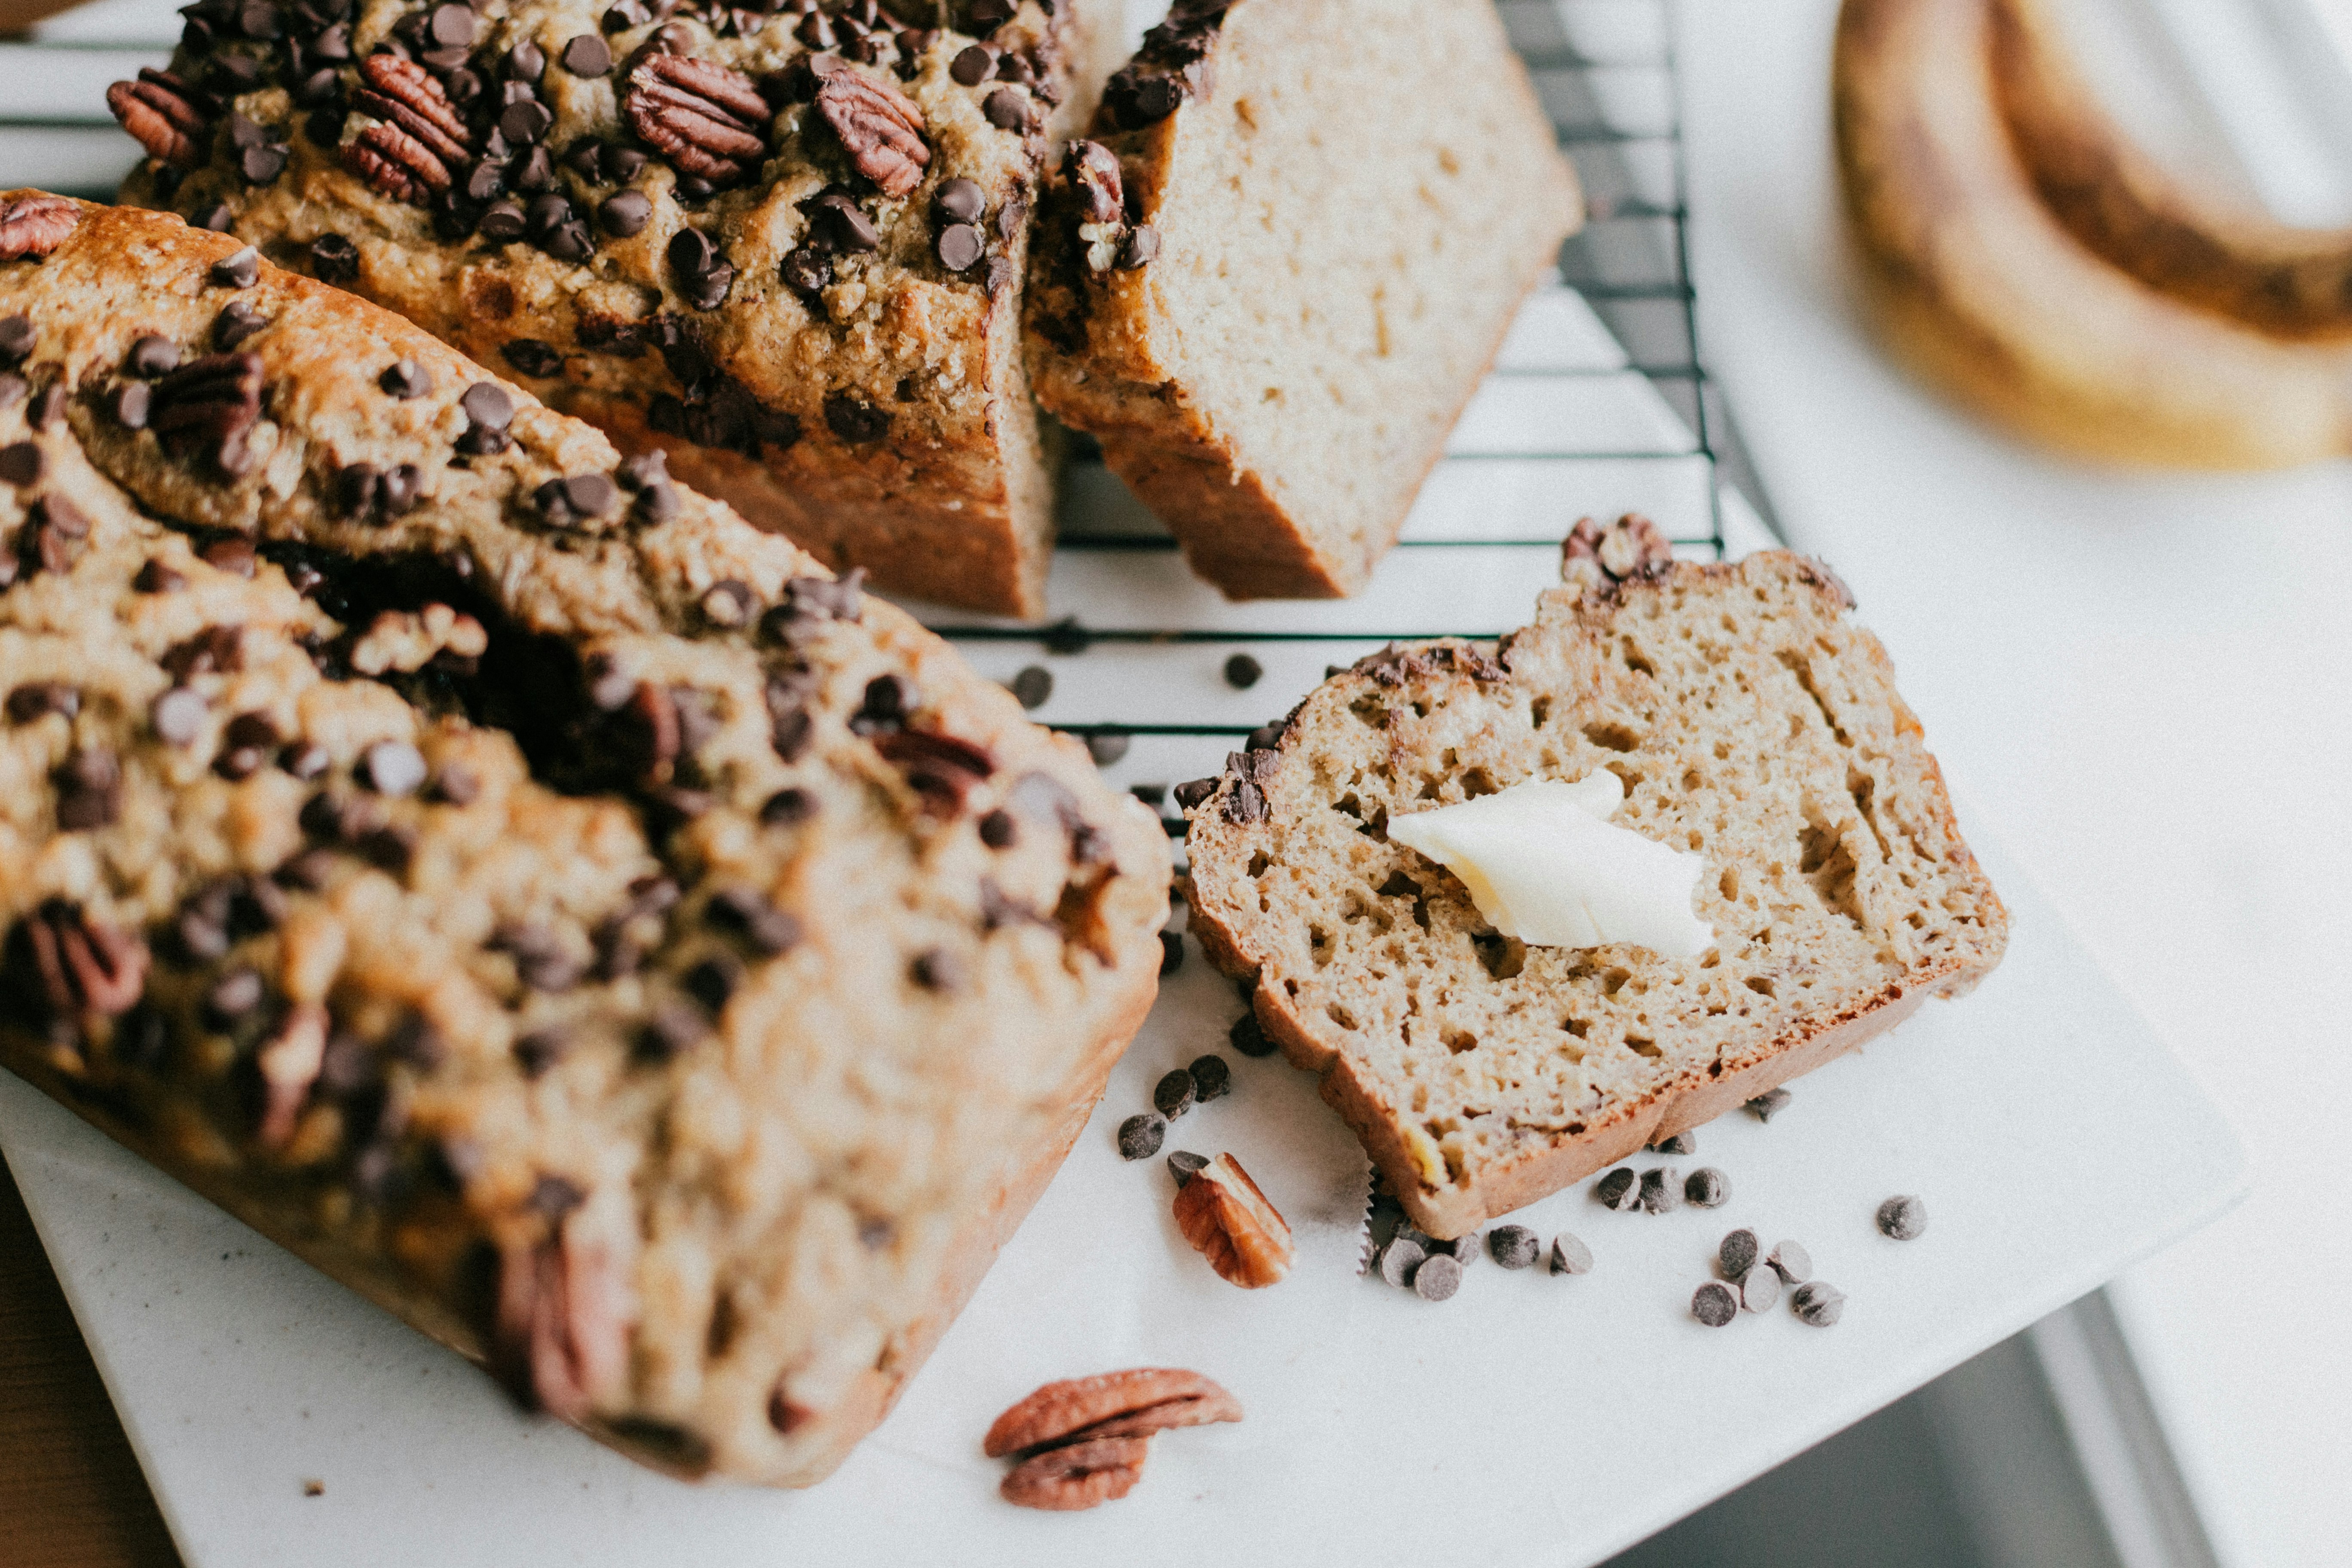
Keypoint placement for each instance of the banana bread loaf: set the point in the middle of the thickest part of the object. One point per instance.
(785, 245)
(1274, 277)
(554, 908)
(1750, 723)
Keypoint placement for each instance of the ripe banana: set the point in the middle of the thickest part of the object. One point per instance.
(1977, 285)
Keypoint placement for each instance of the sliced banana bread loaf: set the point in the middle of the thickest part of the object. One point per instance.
(1750, 723)
(554, 908)
(1273, 277)
(783, 245)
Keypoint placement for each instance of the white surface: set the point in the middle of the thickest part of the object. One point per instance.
(1556, 1419)
(2098, 654)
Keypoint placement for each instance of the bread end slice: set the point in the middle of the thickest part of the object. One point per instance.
(1750, 721)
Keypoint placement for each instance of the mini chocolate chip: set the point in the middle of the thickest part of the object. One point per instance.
(1034, 686)
(246, 744)
(1708, 1188)
(728, 605)
(1007, 109)
(45, 407)
(392, 768)
(936, 969)
(960, 201)
(621, 165)
(503, 223)
(788, 808)
(1139, 1137)
(21, 464)
(307, 761)
(178, 715)
(334, 258)
(1212, 1078)
(1184, 1164)
(1737, 1253)
(960, 245)
(1465, 1248)
(1903, 1218)
(487, 406)
(672, 1031)
(1620, 1190)
(1242, 672)
(1759, 1289)
(406, 379)
(89, 790)
(1680, 1143)
(1106, 746)
(713, 981)
(17, 339)
(1570, 1254)
(152, 356)
(541, 1049)
(1769, 1104)
(1437, 1278)
(525, 62)
(853, 419)
(587, 54)
(131, 402)
(1138, 248)
(525, 121)
(532, 357)
(1715, 1304)
(234, 555)
(1248, 1037)
(233, 996)
(1514, 1246)
(768, 930)
(157, 578)
(590, 495)
(974, 64)
(1794, 1264)
(1818, 1304)
(1171, 959)
(259, 165)
(1662, 1190)
(39, 698)
(216, 218)
(624, 213)
(1399, 1258)
(1173, 1094)
(998, 831)
(569, 242)
(237, 322)
(240, 271)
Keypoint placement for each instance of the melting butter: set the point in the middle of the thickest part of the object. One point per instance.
(1544, 864)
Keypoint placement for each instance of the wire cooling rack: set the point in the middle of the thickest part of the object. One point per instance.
(1599, 403)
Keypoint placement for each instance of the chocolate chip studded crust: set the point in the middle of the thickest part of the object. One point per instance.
(552, 906)
(1750, 721)
(1272, 279)
(785, 246)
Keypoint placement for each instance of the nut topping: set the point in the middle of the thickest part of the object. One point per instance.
(1594, 557)
(1229, 1222)
(879, 126)
(34, 225)
(705, 118)
(209, 404)
(562, 1334)
(163, 114)
(1067, 1479)
(289, 1062)
(941, 768)
(395, 163)
(1133, 1403)
(82, 965)
(400, 92)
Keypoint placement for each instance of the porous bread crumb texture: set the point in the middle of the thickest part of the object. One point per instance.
(694, 1115)
(1347, 218)
(881, 418)
(1750, 722)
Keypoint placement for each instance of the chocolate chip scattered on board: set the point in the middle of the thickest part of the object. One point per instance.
(1570, 1254)
(1794, 1264)
(1399, 1258)
(1769, 1104)
(1514, 1246)
(1715, 1304)
(1818, 1304)
(1620, 1190)
(1737, 1253)
(1680, 1143)
(1173, 1094)
(1904, 1218)
(1139, 1136)
(1211, 1078)
(1759, 1287)
(1662, 1190)
(1706, 1188)
(1437, 1278)
(1184, 1164)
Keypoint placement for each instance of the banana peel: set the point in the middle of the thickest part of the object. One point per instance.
(1978, 285)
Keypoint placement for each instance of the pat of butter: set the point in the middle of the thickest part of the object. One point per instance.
(1544, 864)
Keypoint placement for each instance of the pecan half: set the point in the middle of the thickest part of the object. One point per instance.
(941, 768)
(34, 225)
(879, 126)
(163, 114)
(1092, 170)
(288, 1060)
(1594, 557)
(395, 163)
(400, 93)
(705, 118)
(1133, 1403)
(209, 405)
(562, 1333)
(1229, 1222)
(1064, 1480)
(82, 965)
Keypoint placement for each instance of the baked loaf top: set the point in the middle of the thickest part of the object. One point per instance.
(792, 238)
(1749, 722)
(1272, 279)
(502, 874)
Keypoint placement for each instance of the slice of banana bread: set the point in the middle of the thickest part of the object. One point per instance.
(783, 245)
(552, 906)
(1749, 722)
(1272, 279)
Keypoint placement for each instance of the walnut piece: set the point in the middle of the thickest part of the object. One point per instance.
(1229, 1222)
(1594, 557)
(1133, 1403)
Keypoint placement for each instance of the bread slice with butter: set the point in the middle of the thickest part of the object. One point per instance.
(1749, 722)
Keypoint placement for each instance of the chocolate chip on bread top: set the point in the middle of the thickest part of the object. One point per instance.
(1744, 720)
(506, 878)
(785, 245)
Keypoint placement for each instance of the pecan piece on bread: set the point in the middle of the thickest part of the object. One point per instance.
(705, 118)
(1229, 1222)
(1078, 1477)
(1133, 1403)
(163, 114)
(1594, 557)
(561, 1335)
(879, 126)
(34, 225)
(395, 163)
(400, 93)
(209, 404)
(79, 964)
